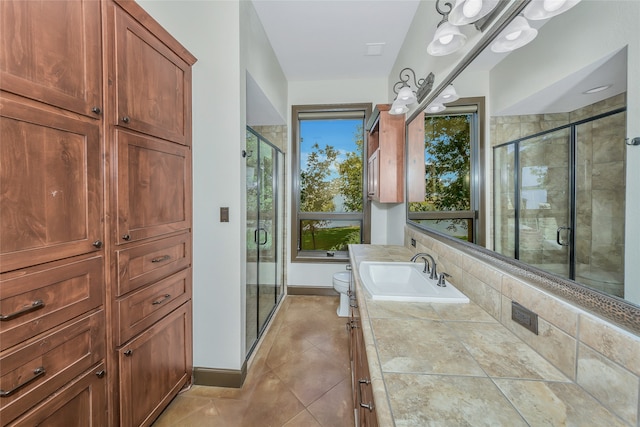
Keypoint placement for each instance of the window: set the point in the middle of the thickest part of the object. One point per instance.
(452, 145)
(329, 207)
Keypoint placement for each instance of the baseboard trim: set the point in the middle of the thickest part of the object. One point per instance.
(220, 377)
(311, 290)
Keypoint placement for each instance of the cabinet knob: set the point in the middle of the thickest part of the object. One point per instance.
(97, 244)
(126, 237)
(96, 110)
(128, 353)
(100, 374)
(126, 119)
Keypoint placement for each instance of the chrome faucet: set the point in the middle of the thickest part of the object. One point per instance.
(433, 272)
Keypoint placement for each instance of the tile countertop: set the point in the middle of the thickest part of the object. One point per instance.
(454, 364)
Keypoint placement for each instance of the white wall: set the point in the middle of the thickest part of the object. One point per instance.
(337, 92)
(228, 41)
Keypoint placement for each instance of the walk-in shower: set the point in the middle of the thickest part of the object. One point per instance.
(559, 197)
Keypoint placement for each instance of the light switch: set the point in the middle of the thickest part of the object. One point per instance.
(224, 214)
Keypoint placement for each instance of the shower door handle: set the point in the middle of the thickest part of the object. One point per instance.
(255, 236)
(558, 235)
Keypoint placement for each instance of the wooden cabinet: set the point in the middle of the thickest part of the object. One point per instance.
(153, 83)
(153, 187)
(51, 177)
(50, 51)
(82, 403)
(153, 368)
(95, 214)
(364, 406)
(386, 156)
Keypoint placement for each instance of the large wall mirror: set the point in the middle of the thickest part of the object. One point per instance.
(531, 162)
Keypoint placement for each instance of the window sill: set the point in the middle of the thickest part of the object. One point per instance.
(321, 257)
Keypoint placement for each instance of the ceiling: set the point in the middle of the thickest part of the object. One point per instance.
(329, 39)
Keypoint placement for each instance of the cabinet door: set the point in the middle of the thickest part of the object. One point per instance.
(153, 187)
(81, 404)
(50, 185)
(373, 190)
(51, 51)
(153, 84)
(153, 368)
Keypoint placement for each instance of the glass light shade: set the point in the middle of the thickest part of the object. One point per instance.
(446, 40)
(545, 9)
(435, 108)
(398, 108)
(517, 34)
(449, 94)
(405, 96)
(469, 11)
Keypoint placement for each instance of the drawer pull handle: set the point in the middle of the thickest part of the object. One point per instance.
(161, 300)
(100, 373)
(128, 353)
(37, 373)
(365, 381)
(36, 305)
(126, 237)
(161, 258)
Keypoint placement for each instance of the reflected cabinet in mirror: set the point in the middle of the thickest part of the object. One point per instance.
(542, 179)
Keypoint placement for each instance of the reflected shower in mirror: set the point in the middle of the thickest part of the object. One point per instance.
(554, 183)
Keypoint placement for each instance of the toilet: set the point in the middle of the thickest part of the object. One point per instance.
(341, 282)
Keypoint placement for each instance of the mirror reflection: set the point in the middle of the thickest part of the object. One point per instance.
(544, 182)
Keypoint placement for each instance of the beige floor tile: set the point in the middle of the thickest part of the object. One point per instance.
(335, 407)
(299, 376)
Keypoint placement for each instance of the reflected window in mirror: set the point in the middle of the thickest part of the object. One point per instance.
(445, 170)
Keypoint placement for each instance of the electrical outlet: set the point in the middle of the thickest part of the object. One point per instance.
(525, 317)
(413, 242)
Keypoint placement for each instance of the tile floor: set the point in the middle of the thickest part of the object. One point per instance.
(300, 376)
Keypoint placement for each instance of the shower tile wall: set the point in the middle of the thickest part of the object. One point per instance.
(600, 191)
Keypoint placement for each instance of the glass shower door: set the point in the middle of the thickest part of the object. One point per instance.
(544, 196)
(264, 270)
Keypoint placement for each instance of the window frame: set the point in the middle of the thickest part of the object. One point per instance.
(478, 212)
(298, 255)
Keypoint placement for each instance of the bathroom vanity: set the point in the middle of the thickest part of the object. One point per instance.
(454, 364)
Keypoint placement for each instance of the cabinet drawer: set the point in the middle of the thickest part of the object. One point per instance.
(40, 298)
(36, 370)
(143, 264)
(143, 308)
(153, 368)
(83, 403)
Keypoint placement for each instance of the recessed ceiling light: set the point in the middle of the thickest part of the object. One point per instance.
(597, 89)
(374, 49)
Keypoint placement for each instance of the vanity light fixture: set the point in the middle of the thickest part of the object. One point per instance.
(596, 89)
(544, 9)
(406, 94)
(469, 11)
(517, 34)
(435, 107)
(449, 94)
(448, 37)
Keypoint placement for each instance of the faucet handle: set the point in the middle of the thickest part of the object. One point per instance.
(441, 279)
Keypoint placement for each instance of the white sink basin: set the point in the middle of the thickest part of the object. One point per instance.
(405, 281)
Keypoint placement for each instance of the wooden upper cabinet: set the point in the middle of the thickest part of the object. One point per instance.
(386, 156)
(153, 83)
(153, 187)
(51, 51)
(50, 185)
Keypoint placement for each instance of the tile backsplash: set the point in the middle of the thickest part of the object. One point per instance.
(599, 356)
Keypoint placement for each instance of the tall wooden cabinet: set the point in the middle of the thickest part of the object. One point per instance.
(95, 214)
